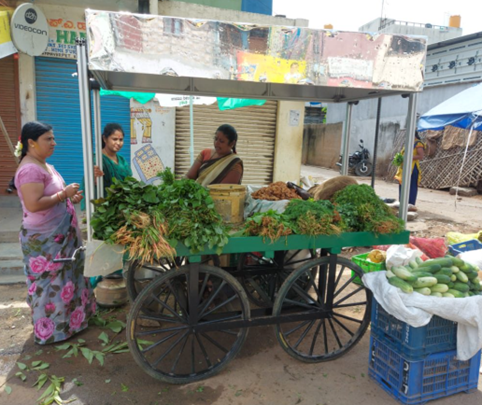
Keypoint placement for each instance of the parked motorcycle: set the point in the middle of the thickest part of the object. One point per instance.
(359, 161)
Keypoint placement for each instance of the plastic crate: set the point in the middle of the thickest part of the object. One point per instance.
(366, 265)
(413, 343)
(467, 246)
(414, 382)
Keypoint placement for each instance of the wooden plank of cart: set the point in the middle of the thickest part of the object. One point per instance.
(190, 316)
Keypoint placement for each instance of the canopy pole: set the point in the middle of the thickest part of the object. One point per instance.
(346, 139)
(408, 156)
(86, 131)
(375, 146)
(191, 129)
(98, 141)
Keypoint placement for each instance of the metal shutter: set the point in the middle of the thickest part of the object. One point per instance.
(256, 127)
(10, 113)
(58, 105)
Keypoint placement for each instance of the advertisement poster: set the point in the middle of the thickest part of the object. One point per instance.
(152, 140)
(263, 68)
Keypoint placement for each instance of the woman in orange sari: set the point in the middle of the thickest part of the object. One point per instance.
(220, 165)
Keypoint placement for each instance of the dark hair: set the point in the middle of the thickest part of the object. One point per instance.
(230, 133)
(417, 136)
(109, 129)
(32, 130)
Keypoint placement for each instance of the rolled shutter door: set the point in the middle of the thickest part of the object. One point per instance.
(58, 105)
(10, 113)
(256, 128)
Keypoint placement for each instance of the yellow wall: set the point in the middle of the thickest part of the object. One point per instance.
(289, 140)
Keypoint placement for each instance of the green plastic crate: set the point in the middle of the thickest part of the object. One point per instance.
(366, 265)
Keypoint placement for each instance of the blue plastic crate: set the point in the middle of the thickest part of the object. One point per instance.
(467, 246)
(415, 382)
(438, 335)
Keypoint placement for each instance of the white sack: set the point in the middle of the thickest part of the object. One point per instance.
(399, 255)
(252, 206)
(416, 310)
(473, 257)
(102, 258)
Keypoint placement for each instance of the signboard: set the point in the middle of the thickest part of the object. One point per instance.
(62, 35)
(152, 140)
(6, 45)
(29, 30)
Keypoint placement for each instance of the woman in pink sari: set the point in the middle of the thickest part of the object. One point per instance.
(59, 296)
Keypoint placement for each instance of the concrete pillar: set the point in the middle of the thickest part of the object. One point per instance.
(289, 141)
(26, 74)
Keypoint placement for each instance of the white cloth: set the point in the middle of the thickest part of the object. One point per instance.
(416, 310)
(252, 206)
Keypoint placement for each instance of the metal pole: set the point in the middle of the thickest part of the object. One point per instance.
(98, 141)
(408, 156)
(191, 129)
(375, 146)
(86, 131)
(346, 140)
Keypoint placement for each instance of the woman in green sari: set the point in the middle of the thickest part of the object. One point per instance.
(113, 164)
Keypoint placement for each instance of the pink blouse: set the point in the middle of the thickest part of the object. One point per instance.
(47, 220)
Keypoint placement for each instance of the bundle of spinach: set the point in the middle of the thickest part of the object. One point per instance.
(269, 224)
(124, 200)
(312, 217)
(363, 211)
(190, 214)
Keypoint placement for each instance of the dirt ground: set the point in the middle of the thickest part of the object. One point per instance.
(262, 373)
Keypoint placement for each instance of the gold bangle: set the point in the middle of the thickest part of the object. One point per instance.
(58, 196)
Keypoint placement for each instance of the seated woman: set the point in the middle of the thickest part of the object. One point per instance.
(220, 165)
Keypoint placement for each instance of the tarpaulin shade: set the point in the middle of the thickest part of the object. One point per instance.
(462, 111)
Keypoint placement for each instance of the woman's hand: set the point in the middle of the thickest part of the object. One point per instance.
(71, 190)
(78, 197)
(98, 172)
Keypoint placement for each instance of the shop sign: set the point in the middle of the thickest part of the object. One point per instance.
(62, 37)
(29, 29)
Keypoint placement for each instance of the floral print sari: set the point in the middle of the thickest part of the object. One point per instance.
(59, 296)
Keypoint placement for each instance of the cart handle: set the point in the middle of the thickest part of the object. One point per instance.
(70, 259)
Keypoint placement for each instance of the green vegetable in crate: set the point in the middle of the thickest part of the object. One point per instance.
(445, 270)
(403, 273)
(436, 294)
(442, 278)
(456, 293)
(423, 274)
(448, 295)
(423, 290)
(439, 288)
(424, 282)
(462, 276)
(462, 287)
(442, 262)
(454, 269)
(390, 274)
(402, 284)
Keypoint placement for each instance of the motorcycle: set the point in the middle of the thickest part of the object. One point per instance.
(359, 161)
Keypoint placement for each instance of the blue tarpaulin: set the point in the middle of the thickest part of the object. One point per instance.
(463, 110)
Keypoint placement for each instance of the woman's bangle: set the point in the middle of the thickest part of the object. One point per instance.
(58, 196)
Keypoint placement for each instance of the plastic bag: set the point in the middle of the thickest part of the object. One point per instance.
(102, 259)
(457, 237)
(399, 255)
(252, 206)
(473, 257)
(432, 247)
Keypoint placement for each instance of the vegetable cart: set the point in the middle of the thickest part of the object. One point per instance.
(188, 324)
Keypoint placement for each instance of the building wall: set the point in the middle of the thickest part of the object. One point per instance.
(435, 33)
(321, 144)
(187, 10)
(393, 117)
(289, 141)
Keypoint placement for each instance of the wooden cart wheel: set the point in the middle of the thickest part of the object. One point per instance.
(169, 343)
(338, 323)
(262, 277)
(139, 275)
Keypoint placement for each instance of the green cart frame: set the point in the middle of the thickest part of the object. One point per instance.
(191, 318)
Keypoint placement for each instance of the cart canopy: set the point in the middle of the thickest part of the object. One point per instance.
(139, 52)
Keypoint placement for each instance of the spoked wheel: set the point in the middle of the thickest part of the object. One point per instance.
(139, 275)
(262, 277)
(187, 337)
(336, 318)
